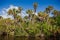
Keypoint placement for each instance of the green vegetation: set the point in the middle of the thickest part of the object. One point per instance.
(31, 25)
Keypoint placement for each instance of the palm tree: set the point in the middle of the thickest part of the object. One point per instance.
(20, 9)
(48, 10)
(35, 7)
(10, 12)
(19, 19)
(41, 15)
(14, 11)
(26, 18)
(55, 13)
(29, 12)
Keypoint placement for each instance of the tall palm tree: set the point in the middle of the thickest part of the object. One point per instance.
(35, 7)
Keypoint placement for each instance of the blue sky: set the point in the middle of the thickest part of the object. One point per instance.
(28, 4)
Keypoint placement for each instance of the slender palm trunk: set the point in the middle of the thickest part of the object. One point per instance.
(48, 19)
(34, 17)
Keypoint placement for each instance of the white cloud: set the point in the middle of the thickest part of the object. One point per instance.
(11, 7)
(23, 13)
(4, 14)
(4, 11)
(35, 13)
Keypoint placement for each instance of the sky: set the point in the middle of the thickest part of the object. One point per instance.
(28, 4)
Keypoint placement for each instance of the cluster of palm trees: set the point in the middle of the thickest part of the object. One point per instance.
(32, 24)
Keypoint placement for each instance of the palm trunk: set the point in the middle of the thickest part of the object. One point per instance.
(48, 19)
(34, 17)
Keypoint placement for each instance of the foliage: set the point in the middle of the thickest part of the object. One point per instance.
(32, 24)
